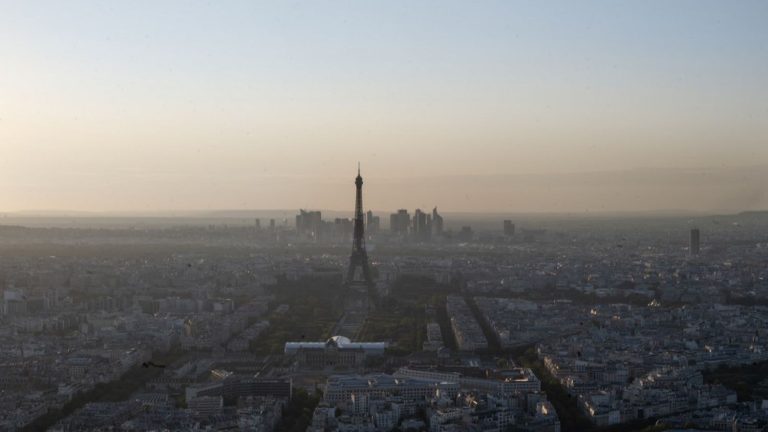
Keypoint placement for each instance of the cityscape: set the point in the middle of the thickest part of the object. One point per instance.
(553, 325)
(384, 216)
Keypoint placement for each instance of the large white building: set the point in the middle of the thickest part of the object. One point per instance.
(337, 351)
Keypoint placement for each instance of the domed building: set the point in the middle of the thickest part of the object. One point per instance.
(337, 351)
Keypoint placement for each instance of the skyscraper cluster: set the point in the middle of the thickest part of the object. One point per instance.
(422, 227)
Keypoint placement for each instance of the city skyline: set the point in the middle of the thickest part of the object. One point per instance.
(207, 106)
(716, 190)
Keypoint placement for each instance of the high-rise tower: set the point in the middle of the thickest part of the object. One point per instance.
(359, 257)
(694, 245)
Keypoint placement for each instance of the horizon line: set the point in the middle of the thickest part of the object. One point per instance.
(200, 213)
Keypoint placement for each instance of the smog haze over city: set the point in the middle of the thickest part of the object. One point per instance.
(370, 216)
(555, 107)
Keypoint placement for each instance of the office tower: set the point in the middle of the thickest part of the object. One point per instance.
(394, 224)
(359, 257)
(257, 224)
(694, 242)
(418, 220)
(399, 222)
(405, 221)
(509, 228)
(372, 223)
(437, 223)
(308, 223)
(421, 227)
(376, 224)
(271, 224)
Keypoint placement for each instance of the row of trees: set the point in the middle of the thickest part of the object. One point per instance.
(115, 391)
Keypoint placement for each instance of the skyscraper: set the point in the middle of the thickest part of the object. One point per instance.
(509, 228)
(694, 245)
(398, 222)
(437, 223)
(421, 228)
(359, 257)
(372, 223)
(308, 223)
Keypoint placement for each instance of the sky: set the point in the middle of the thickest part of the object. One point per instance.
(539, 106)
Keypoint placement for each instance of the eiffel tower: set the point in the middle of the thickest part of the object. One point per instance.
(359, 257)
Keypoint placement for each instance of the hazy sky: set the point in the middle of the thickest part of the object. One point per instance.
(161, 105)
